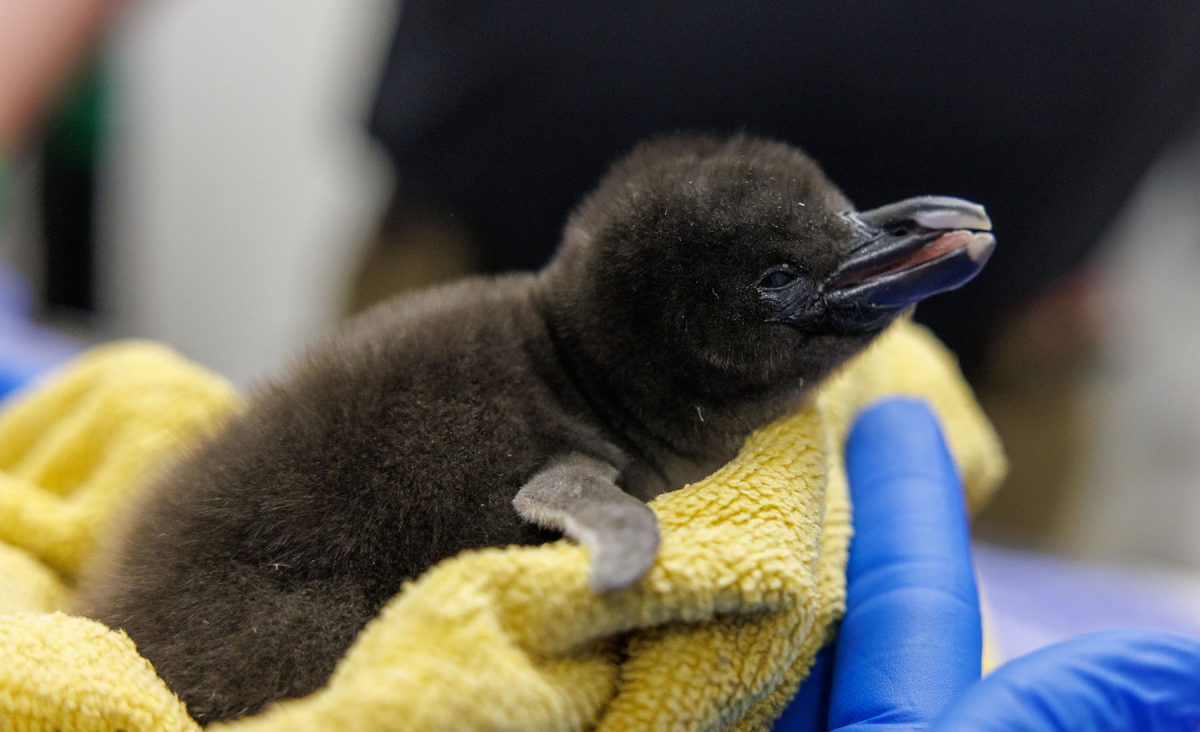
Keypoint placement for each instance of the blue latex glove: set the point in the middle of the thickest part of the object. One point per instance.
(908, 653)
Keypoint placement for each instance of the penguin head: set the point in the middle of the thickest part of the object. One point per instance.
(727, 265)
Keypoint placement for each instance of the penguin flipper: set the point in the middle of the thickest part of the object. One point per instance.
(578, 495)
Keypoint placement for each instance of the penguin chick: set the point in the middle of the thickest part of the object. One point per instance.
(698, 293)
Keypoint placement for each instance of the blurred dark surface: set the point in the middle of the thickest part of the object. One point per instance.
(70, 155)
(1048, 113)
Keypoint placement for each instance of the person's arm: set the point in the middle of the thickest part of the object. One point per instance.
(41, 42)
(908, 654)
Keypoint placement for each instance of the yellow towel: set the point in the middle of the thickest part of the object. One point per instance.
(748, 585)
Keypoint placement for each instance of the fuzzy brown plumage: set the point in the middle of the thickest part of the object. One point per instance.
(403, 438)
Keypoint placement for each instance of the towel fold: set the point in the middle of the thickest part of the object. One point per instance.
(748, 585)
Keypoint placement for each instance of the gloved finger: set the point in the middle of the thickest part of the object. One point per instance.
(1113, 680)
(911, 639)
(809, 709)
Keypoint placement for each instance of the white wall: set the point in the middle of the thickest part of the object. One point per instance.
(241, 179)
(1143, 473)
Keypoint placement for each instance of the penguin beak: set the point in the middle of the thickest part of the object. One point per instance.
(901, 254)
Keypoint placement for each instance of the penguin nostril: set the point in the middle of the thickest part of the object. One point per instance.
(900, 231)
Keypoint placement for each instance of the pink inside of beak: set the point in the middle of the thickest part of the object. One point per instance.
(947, 242)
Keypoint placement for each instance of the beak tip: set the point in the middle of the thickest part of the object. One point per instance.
(980, 247)
(944, 212)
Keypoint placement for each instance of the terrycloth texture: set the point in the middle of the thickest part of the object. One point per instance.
(72, 452)
(747, 587)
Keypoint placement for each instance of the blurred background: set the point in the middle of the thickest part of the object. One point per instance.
(234, 177)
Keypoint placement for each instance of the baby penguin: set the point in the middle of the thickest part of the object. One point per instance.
(698, 294)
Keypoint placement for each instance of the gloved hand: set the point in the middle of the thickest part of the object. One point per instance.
(908, 653)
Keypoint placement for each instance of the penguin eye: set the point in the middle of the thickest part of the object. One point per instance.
(778, 277)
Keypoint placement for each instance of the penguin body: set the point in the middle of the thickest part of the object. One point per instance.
(698, 294)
